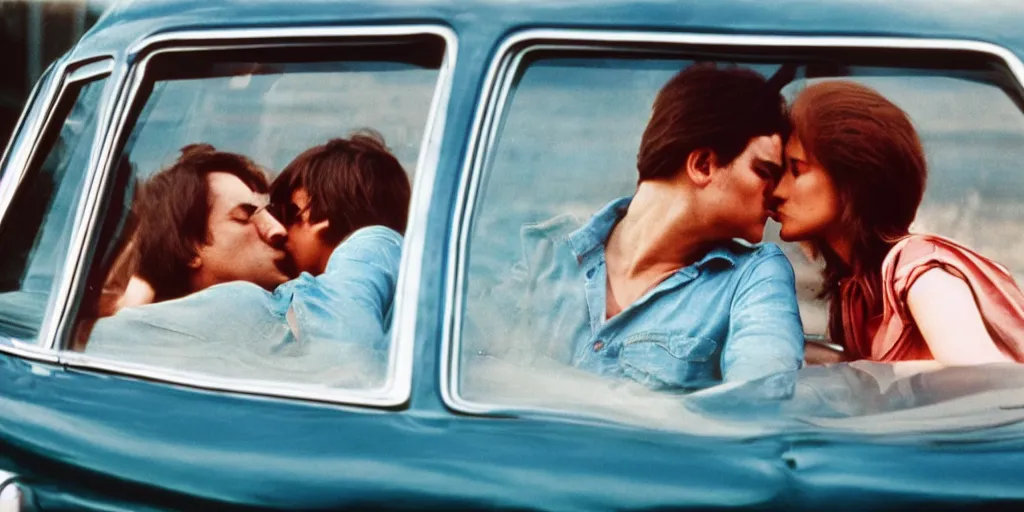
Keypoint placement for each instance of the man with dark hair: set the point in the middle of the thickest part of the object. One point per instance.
(203, 222)
(669, 287)
(344, 205)
(329, 191)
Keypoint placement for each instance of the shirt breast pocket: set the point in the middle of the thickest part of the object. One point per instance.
(661, 360)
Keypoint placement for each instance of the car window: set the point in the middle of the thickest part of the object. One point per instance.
(36, 228)
(242, 310)
(563, 143)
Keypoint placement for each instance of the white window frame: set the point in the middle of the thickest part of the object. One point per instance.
(398, 386)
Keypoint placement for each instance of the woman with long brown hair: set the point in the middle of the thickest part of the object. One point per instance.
(855, 177)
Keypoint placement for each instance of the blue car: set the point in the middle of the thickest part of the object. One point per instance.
(502, 112)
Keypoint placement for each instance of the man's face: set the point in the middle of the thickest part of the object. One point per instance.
(246, 243)
(741, 191)
(305, 242)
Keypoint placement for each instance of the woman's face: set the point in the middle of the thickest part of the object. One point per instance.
(807, 204)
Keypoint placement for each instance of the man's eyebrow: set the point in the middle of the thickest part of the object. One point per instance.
(247, 208)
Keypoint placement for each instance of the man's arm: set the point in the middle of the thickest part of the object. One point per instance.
(765, 332)
(351, 302)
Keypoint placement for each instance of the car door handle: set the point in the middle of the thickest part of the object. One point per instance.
(13, 497)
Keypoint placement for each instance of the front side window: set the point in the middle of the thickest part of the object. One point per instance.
(264, 195)
(35, 231)
(576, 180)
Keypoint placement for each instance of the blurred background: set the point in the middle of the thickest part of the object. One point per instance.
(32, 35)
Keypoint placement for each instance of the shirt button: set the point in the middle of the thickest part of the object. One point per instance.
(598, 345)
(590, 273)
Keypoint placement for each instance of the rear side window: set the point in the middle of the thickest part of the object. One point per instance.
(35, 231)
(264, 289)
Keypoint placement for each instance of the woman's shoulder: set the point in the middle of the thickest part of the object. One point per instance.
(920, 248)
(918, 252)
(916, 245)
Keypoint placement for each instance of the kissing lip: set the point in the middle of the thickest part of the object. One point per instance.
(286, 265)
(772, 208)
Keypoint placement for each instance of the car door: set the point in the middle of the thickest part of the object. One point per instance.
(86, 430)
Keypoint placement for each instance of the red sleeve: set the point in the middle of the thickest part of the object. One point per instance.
(997, 296)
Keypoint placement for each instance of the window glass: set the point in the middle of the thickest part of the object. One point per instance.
(36, 229)
(274, 116)
(300, 290)
(566, 145)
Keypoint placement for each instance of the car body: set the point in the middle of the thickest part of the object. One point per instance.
(78, 432)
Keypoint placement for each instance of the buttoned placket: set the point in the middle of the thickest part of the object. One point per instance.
(595, 290)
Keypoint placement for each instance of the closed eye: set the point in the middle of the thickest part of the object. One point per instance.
(769, 170)
(244, 212)
(794, 167)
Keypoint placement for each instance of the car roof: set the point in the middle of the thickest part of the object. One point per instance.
(995, 21)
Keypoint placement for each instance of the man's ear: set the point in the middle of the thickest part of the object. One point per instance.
(699, 164)
(196, 262)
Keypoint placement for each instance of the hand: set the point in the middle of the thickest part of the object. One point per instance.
(137, 293)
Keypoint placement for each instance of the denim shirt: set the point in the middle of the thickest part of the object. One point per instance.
(329, 329)
(732, 315)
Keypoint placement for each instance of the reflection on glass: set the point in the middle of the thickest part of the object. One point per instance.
(291, 274)
(35, 234)
(573, 125)
(272, 117)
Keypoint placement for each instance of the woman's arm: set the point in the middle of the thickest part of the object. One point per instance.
(944, 310)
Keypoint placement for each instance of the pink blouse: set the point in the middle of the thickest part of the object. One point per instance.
(893, 336)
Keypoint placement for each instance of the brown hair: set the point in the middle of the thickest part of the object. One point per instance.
(174, 211)
(871, 151)
(707, 107)
(352, 183)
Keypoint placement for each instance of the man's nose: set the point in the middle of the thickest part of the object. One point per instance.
(781, 189)
(270, 229)
(772, 196)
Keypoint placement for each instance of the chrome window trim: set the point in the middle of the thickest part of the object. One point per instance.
(493, 100)
(92, 70)
(47, 78)
(18, 156)
(18, 153)
(398, 386)
(822, 341)
(64, 76)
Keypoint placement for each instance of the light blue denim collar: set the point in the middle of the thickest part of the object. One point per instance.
(591, 237)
